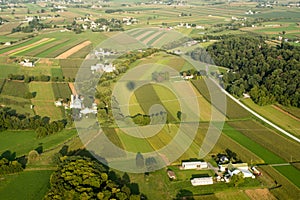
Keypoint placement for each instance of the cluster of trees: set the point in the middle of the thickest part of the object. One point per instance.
(111, 25)
(8, 167)
(34, 25)
(83, 178)
(269, 74)
(11, 120)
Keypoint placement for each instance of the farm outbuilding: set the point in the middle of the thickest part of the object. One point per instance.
(194, 165)
(202, 181)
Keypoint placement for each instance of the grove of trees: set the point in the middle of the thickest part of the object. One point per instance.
(83, 178)
(268, 73)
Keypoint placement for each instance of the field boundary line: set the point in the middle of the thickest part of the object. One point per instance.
(257, 115)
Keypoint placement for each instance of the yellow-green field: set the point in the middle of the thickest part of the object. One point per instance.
(44, 100)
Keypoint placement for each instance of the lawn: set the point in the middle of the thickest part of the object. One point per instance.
(22, 142)
(270, 112)
(44, 100)
(27, 185)
(268, 156)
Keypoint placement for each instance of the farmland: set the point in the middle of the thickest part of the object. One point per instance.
(25, 141)
(270, 112)
(259, 150)
(61, 90)
(44, 100)
(285, 148)
(15, 88)
(25, 185)
(233, 110)
(60, 53)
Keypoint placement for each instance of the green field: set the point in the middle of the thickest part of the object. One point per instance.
(291, 173)
(27, 185)
(56, 72)
(44, 100)
(22, 142)
(286, 189)
(147, 97)
(15, 88)
(271, 113)
(285, 148)
(268, 156)
(5, 70)
(61, 90)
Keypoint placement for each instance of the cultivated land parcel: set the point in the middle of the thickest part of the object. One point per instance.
(58, 53)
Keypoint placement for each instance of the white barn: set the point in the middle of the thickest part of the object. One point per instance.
(194, 165)
(202, 181)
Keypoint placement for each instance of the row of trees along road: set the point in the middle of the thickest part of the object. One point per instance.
(268, 73)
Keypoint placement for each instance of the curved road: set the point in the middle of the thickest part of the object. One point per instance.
(258, 115)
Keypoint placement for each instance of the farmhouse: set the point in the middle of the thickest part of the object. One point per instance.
(194, 165)
(237, 168)
(27, 63)
(76, 102)
(202, 181)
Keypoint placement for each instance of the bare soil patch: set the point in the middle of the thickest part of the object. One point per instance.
(75, 49)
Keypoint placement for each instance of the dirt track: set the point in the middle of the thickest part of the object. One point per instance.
(69, 52)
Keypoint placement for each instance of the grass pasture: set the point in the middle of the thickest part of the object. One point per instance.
(22, 142)
(15, 88)
(285, 148)
(5, 70)
(44, 100)
(27, 185)
(61, 90)
(282, 119)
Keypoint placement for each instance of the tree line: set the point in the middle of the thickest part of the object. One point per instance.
(268, 73)
(11, 120)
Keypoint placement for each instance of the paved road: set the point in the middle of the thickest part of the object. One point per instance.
(258, 115)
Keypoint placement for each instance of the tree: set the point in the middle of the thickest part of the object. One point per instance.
(237, 179)
(33, 156)
(41, 132)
